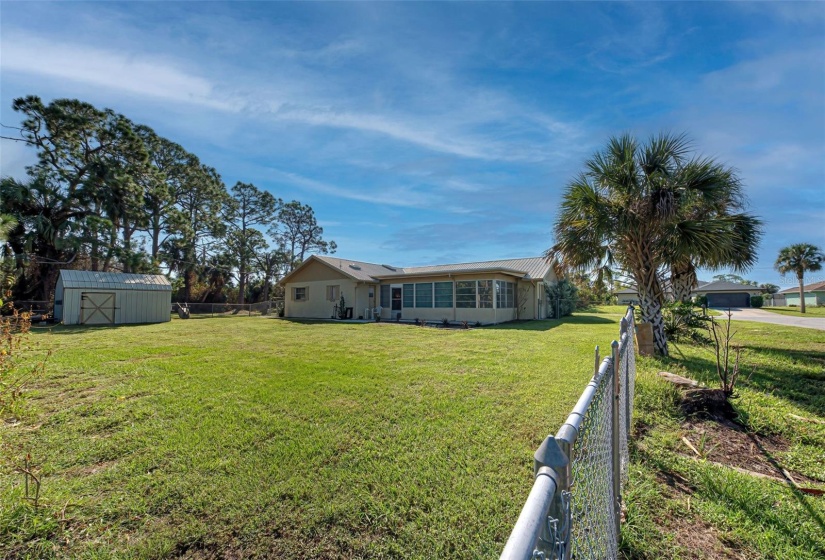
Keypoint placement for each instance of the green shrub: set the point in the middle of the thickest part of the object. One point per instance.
(757, 301)
(700, 300)
(565, 294)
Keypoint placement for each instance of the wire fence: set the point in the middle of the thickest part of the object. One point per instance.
(574, 507)
(186, 310)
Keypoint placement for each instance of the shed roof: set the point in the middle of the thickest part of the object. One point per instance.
(114, 281)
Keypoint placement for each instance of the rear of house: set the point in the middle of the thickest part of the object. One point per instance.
(485, 292)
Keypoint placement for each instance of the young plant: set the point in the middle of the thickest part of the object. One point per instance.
(721, 337)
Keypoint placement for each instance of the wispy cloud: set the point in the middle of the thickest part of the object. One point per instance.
(131, 73)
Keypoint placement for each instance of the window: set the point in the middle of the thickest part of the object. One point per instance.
(485, 294)
(385, 295)
(443, 294)
(424, 295)
(300, 294)
(465, 294)
(333, 293)
(409, 295)
(504, 294)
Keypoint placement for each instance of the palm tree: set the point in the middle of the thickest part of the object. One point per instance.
(800, 258)
(625, 207)
(737, 233)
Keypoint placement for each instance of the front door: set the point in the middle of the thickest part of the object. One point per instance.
(396, 300)
(97, 308)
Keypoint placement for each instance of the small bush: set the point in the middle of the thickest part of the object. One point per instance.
(700, 300)
(565, 294)
(757, 301)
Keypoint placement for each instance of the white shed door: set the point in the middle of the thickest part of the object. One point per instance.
(97, 308)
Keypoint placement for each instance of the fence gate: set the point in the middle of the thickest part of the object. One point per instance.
(97, 308)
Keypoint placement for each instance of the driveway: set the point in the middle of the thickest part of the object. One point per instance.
(761, 316)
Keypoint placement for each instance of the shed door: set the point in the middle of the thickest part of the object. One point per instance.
(97, 308)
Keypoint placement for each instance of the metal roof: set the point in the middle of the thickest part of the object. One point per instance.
(358, 270)
(114, 281)
(530, 268)
(815, 287)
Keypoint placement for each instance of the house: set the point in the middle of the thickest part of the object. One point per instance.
(486, 292)
(722, 293)
(111, 298)
(627, 296)
(814, 294)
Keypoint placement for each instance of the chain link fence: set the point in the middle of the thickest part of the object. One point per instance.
(210, 310)
(574, 508)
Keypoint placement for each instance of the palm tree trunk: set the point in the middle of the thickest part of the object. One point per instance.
(682, 281)
(651, 299)
(801, 294)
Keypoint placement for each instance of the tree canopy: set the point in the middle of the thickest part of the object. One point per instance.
(635, 207)
(111, 195)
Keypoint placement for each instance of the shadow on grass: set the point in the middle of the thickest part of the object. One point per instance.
(789, 381)
(738, 500)
(548, 324)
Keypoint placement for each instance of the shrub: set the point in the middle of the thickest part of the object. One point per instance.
(757, 301)
(565, 294)
(701, 300)
(682, 323)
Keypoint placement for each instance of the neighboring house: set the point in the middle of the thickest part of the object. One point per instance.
(814, 294)
(627, 296)
(486, 292)
(630, 295)
(83, 297)
(728, 294)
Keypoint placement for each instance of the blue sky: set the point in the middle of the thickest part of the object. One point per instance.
(433, 133)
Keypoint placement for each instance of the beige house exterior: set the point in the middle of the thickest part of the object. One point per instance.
(486, 292)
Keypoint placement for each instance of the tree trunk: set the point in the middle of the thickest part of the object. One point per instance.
(242, 283)
(801, 294)
(682, 281)
(652, 313)
(650, 295)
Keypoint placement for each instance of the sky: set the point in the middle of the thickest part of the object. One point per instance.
(425, 133)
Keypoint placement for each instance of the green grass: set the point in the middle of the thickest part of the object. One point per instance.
(810, 311)
(254, 437)
(679, 507)
(269, 438)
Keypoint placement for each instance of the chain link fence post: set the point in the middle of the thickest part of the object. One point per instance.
(615, 439)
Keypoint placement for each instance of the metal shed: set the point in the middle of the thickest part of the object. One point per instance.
(111, 298)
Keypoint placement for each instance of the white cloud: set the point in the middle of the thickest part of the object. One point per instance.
(128, 72)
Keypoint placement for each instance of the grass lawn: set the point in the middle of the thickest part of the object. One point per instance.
(810, 311)
(684, 506)
(256, 437)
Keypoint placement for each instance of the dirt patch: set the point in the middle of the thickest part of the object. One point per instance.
(728, 443)
(707, 403)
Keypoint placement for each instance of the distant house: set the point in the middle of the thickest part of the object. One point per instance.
(722, 293)
(719, 294)
(486, 292)
(814, 294)
(84, 297)
(627, 296)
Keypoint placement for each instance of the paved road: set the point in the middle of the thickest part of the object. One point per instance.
(762, 316)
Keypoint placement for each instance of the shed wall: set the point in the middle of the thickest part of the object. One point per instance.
(131, 306)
